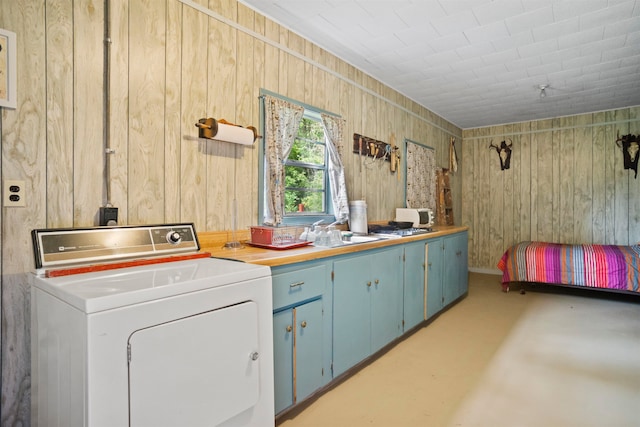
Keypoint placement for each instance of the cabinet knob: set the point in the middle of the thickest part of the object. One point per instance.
(254, 356)
(289, 328)
(303, 324)
(377, 281)
(458, 253)
(369, 284)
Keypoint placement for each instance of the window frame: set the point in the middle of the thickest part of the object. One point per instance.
(298, 219)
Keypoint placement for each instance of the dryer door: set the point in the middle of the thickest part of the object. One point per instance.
(196, 371)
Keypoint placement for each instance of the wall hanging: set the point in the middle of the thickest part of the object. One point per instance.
(222, 130)
(504, 151)
(420, 186)
(8, 84)
(630, 145)
(374, 150)
(453, 156)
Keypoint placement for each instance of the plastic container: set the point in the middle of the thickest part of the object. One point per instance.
(358, 216)
(276, 236)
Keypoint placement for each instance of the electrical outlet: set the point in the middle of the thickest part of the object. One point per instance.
(13, 194)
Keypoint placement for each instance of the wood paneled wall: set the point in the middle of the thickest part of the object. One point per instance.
(171, 63)
(566, 184)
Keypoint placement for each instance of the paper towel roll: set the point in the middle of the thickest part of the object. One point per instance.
(234, 134)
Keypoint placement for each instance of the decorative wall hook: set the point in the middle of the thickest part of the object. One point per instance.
(223, 130)
(630, 145)
(504, 151)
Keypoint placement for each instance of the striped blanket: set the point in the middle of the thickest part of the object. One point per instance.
(597, 266)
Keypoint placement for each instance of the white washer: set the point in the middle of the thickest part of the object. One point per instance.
(182, 343)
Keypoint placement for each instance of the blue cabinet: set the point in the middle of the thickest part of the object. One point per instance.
(447, 271)
(301, 350)
(435, 256)
(414, 284)
(367, 308)
(330, 314)
(455, 283)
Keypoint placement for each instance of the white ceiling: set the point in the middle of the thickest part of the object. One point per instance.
(480, 62)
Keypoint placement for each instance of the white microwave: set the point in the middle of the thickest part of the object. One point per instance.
(420, 217)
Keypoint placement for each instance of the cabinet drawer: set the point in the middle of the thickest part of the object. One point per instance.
(290, 288)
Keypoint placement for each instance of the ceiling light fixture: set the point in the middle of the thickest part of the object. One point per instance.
(543, 91)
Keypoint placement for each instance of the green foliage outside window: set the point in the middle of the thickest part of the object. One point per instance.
(305, 170)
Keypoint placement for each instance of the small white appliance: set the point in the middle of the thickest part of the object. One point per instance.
(133, 326)
(420, 217)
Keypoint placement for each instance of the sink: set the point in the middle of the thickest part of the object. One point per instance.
(355, 240)
(363, 239)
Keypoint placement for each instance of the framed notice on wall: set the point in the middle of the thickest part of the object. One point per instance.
(8, 89)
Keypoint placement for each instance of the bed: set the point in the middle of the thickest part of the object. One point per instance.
(609, 267)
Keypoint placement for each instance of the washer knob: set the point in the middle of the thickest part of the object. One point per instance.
(173, 237)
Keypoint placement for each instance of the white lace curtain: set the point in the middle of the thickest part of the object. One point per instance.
(334, 130)
(282, 119)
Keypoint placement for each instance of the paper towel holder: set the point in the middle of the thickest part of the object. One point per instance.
(223, 130)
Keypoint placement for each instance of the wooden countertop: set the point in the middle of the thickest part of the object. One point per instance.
(213, 242)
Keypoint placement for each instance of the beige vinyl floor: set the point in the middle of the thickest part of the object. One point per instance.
(500, 359)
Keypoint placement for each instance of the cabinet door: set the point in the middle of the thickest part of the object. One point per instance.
(435, 256)
(414, 285)
(462, 255)
(308, 346)
(456, 270)
(283, 359)
(450, 285)
(351, 312)
(386, 297)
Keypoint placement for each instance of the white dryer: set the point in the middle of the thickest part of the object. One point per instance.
(174, 338)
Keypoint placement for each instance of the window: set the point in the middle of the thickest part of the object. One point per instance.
(302, 177)
(306, 178)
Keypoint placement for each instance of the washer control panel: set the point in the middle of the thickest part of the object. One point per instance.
(61, 247)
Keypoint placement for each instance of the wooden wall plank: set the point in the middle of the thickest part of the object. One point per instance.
(88, 159)
(496, 208)
(221, 188)
(634, 184)
(486, 161)
(193, 170)
(59, 79)
(544, 184)
(621, 179)
(475, 231)
(467, 174)
(296, 69)
(146, 109)
(259, 50)
(245, 163)
(583, 180)
(508, 197)
(611, 168)
(172, 111)
(118, 139)
(599, 165)
(533, 169)
(523, 226)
